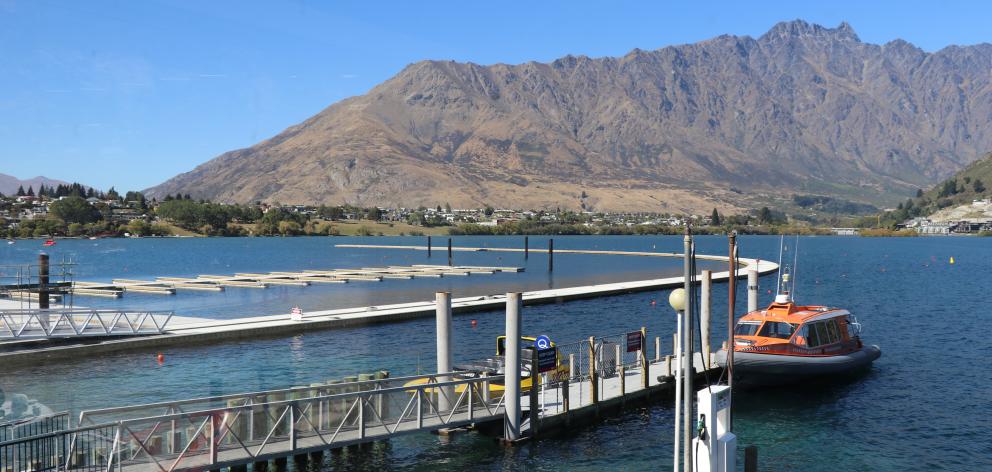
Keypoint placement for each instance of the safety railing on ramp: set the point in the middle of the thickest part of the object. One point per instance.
(74, 322)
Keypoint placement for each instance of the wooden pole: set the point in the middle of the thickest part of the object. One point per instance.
(428, 246)
(449, 252)
(645, 368)
(535, 385)
(551, 255)
(751, 459)
(526, 247)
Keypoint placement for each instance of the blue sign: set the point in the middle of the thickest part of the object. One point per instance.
(547, 359)
(542, 342)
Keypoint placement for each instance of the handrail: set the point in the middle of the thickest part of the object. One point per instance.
(337, 396)
(219, 398)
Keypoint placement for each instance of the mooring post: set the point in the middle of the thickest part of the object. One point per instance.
(43, 281)
(657, 348)
(593, 376)
(526, 247)
(752, 290)
(444, 356)
(428, 246)
(751, 459)
(535, 385)
(706, 281)
(688, 346)
(449, 252)
(564, 395)
(511, 419)
(551, 255)
(645, 368)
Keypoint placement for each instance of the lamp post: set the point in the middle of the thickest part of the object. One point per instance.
(677, 300)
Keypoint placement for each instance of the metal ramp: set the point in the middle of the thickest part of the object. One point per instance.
(217, 432)
(74, 322)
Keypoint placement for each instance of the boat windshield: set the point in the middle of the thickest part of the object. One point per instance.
(777, 329)
(747, 328)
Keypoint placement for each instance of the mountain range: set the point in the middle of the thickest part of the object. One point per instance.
(9, 183)
(734, 122)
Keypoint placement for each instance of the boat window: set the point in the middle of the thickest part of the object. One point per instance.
(747, 328)
(832, 331)
(812, 337)
(821, 333)
(777, 329)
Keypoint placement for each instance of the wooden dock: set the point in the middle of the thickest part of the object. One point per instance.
(207, 282)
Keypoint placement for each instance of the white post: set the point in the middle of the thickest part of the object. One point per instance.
(511, 369)
(446, 396)
(704, 312)
(678, 388)
(752, 290)
(687, 345)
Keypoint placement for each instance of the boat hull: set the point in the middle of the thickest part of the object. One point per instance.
(759, 369)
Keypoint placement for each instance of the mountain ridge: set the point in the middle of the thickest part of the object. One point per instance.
(9, 183)
(729, 122)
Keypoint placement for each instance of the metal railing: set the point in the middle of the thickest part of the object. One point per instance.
(257, 426)
(63, 323)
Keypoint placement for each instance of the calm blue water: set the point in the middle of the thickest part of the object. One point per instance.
(925, 405)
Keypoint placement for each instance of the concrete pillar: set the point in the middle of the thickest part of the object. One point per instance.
(512, 368)
(752, 290)
(43, 281)
(706, 281)
(688, 393)
(444, 357)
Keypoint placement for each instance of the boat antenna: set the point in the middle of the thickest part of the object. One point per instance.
(795, 265)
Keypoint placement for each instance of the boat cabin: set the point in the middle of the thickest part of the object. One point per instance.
(787, 328)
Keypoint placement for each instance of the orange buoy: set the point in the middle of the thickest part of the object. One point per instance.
(160, 358)
(474, 323)
(653, 302)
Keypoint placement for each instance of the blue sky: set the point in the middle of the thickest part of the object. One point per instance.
(130, 93)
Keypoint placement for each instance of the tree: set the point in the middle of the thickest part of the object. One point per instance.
(715, 218)
(978, 186)
(950, 187)
(74, 210)
(447, 208)
(488, 211)
(30, 191)
(438, 209)
(919, 193)
(765, 215)
(20, 191)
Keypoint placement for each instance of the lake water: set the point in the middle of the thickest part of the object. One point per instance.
(925, 405)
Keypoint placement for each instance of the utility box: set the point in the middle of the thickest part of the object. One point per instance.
(717, 448)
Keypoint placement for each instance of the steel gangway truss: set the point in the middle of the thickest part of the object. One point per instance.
(215, 432)
(76, 322)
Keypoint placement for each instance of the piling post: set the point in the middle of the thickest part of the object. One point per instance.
(593, 376)
(752, 290)
(511, 420)
(444, 356)
(751, 459)
(564, 396)
(526, 247)
(551, 255)
(43, 282)
(428, 246)
(449, 252)
(657, 348)
(706, 282)
(623, 381)
(645, 368)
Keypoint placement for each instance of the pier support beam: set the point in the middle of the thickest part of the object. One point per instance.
(444, 357)
(706, 283)
(511, 423)
(752, 290)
